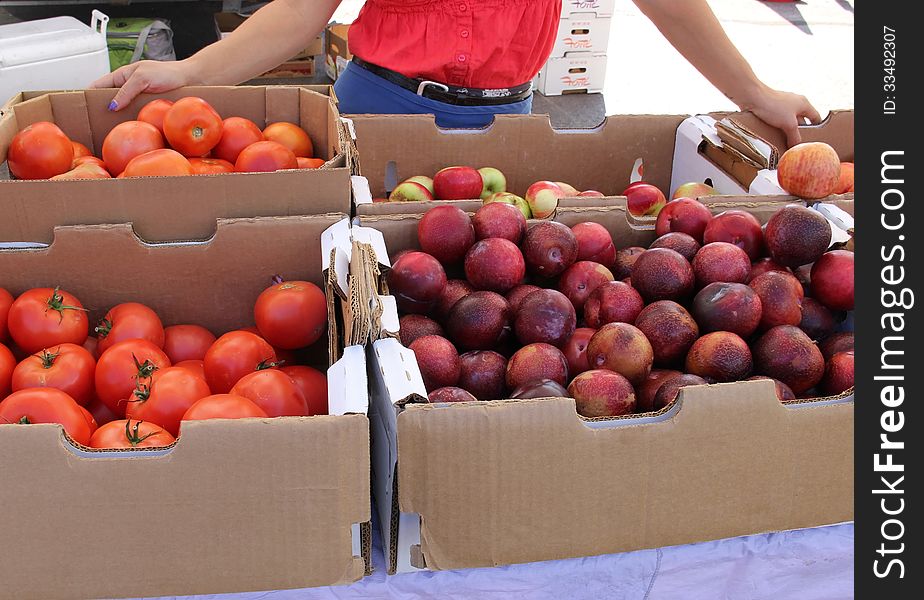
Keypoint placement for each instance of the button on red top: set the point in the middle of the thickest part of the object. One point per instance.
(503, 43)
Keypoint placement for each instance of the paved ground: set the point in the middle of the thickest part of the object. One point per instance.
(805, 47)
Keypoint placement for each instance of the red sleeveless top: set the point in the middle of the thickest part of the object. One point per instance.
(464, 43)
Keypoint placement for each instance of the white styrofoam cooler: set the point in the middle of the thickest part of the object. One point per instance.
(582, 32)
(52, 54)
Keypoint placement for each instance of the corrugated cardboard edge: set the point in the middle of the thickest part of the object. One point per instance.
(735, 482)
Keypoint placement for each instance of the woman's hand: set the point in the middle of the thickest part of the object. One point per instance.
(782, 110)
(145, 76)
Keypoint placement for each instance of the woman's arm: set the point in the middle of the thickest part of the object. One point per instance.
(272, 35)
(693, 29)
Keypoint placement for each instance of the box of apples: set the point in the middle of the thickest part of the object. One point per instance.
(181, 417)
(256, 151)
(522, 160)
(584, 385)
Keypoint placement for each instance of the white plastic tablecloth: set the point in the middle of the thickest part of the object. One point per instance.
(806, 564)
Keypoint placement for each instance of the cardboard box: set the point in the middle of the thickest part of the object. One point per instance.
(234, 505)
(582, 32)
(174, 208)
(739, 153)
(337, 49)
(599, 7)
(493, 483)
(575, 73)
(527, 149)
(226, 22)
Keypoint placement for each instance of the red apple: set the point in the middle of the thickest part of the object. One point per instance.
(569, 190)
(832, 279)
(739, 228)
(694, 189)
(457, 183)
(644, 200)
(409, 190)
(845, 182)
(809, 170)
(684, 215)
(543, 197)
(592, 194)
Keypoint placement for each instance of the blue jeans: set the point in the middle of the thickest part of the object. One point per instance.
(361, 92)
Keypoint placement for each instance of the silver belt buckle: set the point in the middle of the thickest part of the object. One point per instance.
(423, 86)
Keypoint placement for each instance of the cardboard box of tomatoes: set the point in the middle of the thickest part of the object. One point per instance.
(540, 472)
(193, 341)
(248, 146)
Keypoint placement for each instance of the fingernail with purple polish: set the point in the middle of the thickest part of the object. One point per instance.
(113, 105)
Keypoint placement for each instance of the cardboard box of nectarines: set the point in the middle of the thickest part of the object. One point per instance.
(519, 156)
(708, 372)
(176, 208)
(232, 505)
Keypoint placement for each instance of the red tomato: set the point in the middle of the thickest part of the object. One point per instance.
(153, 112)
(274, 392)
(187, 342)
(265, 157)
(91, 420)
(236, 134)
(210, 166)
(313, 384)
(46, 405)
(234, 355)
(128, 140)
(194, 366)
(67, 367)
(292, 137)
(45, 317)
(223, 406)
(101, 413)
(6, 300)
(7, 366)
(87, 170)
(129, 321)
(80, 150)
(126, 433)
(40, 151)
(291, 314)
(167, 397)
(89, 160)
(122, 367)
(158, 163)
(192, 126)
(91, 345)
(309, 163)
(283, 357)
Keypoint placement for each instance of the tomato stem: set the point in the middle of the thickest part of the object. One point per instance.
(277, 279)
(145, 369)
(48, 358)
(103, 328)
(56, 303)
(268, 364)
(131, 432)
(24, 420)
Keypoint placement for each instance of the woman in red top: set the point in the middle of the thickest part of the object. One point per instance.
(462, 60)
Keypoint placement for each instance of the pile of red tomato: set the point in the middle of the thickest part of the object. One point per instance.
(132, 383)
(186, 137)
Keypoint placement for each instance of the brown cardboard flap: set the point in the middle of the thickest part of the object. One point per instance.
(525, 148)
(210, 492)
(836, 129)
(521, 481)
(185, 283)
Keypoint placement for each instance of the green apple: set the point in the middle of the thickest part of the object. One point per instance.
(494, 181)
(423, 180)
(510, 198)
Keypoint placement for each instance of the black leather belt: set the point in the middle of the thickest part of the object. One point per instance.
(448, 93)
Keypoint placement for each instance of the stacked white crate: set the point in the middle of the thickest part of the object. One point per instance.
(578, 59)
